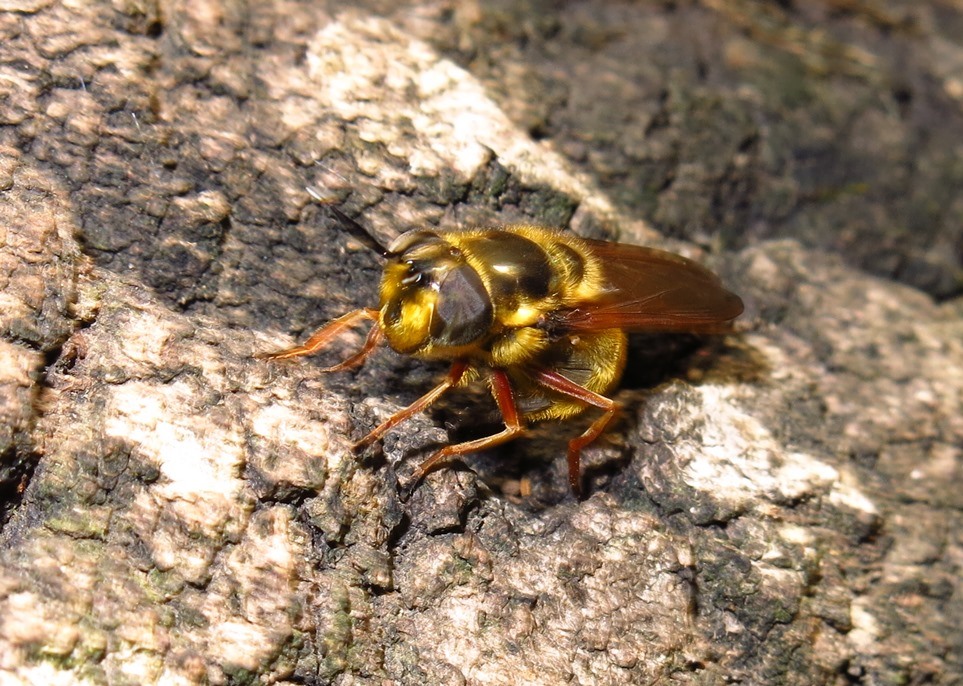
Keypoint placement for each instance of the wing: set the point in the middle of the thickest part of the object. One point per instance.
(649, 290)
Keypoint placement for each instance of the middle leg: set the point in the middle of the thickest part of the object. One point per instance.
(505, 397)
(455, 374)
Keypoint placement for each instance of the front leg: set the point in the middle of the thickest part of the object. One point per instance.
(327, 333)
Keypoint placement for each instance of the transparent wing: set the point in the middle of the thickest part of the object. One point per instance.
(649, 290)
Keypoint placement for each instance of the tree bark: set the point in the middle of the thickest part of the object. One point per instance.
(779, 506)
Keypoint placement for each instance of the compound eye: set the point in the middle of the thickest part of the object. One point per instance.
(463, 313)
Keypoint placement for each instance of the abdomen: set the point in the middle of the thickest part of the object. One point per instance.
(594, 360)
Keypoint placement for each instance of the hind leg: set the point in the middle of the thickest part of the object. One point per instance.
(560, 384)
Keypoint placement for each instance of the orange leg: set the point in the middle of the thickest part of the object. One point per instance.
(454, 376)
(375, 336)
(560, 384)
(502, 390)
(329, 332)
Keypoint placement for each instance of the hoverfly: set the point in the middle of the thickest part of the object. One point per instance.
(539, 315)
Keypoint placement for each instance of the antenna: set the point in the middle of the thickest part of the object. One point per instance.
(361, 233)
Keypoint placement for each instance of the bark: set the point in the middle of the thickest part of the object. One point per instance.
(776, 507)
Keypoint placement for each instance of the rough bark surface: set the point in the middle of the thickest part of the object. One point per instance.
(781, 507)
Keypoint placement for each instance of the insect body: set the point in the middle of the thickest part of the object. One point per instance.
(540, 315)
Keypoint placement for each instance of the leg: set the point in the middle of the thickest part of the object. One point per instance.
(327, 333)
(375, 336)
(454, 376)
(560, 384)
(502, 390)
